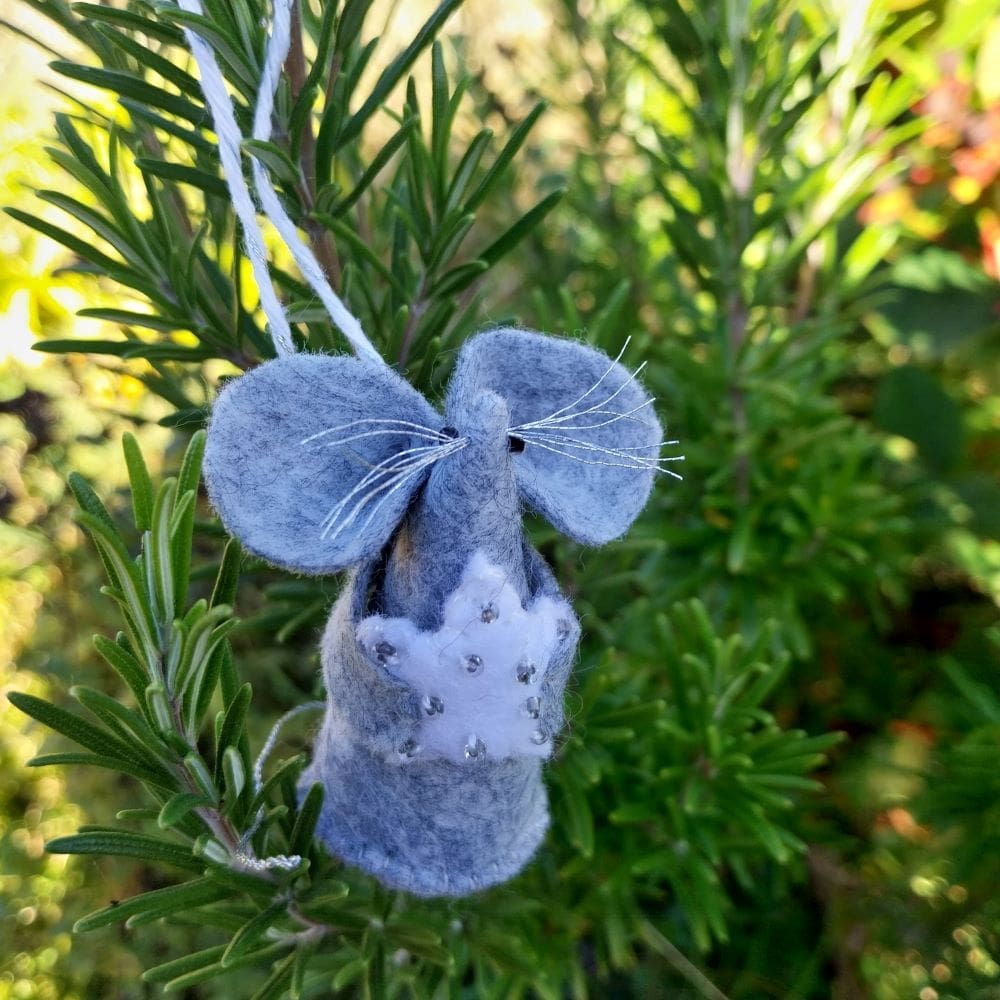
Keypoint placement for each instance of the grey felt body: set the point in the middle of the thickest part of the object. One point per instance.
(292, 449)
(432, 827)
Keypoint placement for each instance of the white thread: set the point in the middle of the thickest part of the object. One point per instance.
(621, 447)
(248, 862)
(230, 140)
(617, 465)
(636, 461)
(644, 461)
(438, 435)
(230, 153)
(569, 441)
(550, 433)
(420, 458)
(445, 451)
(399, 427)
(312, 271)
(580, 399)
(244, 856)
(615, 417)
(553, 419)
(398, 474)
(420, 435)
(383, 468)
(272, 740)
(631, 464)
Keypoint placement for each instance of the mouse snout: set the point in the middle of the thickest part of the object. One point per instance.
(484, 418)
(469, 505)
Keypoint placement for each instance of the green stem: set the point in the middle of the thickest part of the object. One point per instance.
(295, 68)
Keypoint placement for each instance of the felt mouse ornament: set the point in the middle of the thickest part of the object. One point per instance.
(446, 655)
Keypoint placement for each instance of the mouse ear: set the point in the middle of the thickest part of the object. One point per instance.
(311, 460)
(585, 437)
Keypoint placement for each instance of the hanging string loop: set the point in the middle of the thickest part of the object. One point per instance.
(230, 138)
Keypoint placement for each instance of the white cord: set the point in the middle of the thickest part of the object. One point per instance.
(230, 152)
(230, 141)
(312, 271)
(244, 856)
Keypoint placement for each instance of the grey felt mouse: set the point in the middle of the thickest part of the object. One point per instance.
(446, 655)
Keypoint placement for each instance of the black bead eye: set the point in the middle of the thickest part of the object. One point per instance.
(515, 444)
(449, 431)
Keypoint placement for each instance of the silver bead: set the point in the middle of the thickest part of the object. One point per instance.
(433, 705)
(384, 651)
(532, 707)
(408, 749)
(473, 665)
(526, 672)
(475, 749)
(490, 614)
(538, 737)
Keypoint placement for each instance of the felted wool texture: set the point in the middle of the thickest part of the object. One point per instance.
(540, 375)
(380, 711)
(431, 826)
(470, 504)
(276, 469)
(292, 449)
(273, 488)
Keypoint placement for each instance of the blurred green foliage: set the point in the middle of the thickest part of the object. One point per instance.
(778, 778)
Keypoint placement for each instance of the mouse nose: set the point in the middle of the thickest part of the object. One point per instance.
(482, 417)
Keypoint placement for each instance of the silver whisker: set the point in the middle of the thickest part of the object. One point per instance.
(440, 438)
(387, 467)
(390, 487)
(568, 441)
(616, 416)
(397, 475)
(383, 468)
(634, 464)
(555, 420)
(604, 402)
(580, 399)
(459, 444)
(377, 420)
(563, 442)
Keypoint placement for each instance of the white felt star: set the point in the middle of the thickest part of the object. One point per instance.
(479, 675)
